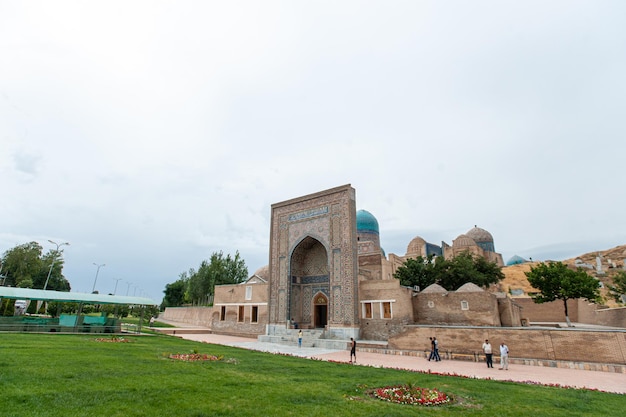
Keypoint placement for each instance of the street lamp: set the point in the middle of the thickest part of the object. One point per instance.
(95, 280)
(116, 281)
(54, 258)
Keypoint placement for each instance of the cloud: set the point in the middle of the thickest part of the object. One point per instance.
(152, 134)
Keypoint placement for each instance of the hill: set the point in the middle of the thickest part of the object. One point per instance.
(612, 261)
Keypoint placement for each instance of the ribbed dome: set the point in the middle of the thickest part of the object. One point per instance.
(463, 241)
(415, 245)
(366, 222)
(263, 272)
(480, 235)
(483, 238)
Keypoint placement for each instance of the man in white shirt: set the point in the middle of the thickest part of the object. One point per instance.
(488, 353)
(504, 356)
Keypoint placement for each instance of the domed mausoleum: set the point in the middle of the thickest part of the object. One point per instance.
(476, 241)
(328, 271)
(482, 238)
(516, 260)
(367, 230)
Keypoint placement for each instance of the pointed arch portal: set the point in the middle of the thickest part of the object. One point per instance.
(309, 284)
(313, 252)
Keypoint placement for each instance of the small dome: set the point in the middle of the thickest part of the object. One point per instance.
(263, 272)
(516, 260)
(415, 245)
(366, 222)
(480, 235)
(463, 241)
(434, 288)
(470, 287)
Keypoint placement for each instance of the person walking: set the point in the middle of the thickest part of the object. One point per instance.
(432, 349)
(504, 357)
(300, 338)
(488, 353)
(352, 350)
(436, 349)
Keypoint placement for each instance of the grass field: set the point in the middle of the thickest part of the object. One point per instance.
(77, 375)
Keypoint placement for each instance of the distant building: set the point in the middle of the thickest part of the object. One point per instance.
(516, 260)
(328, 271)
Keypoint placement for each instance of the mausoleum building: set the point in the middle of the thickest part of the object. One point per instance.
(327, 272)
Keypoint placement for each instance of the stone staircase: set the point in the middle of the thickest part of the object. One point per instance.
(310, 338)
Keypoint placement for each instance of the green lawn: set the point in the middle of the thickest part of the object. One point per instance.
(75, 375)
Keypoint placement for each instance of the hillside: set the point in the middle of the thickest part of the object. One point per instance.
(515, 278)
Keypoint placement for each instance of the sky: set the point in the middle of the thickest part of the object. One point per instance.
(151, 134)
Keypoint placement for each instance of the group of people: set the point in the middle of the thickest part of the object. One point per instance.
(504, 355)
(434, 352)
(487, 349)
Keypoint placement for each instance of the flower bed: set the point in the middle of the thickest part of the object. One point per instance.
(194, 357)
(408, 394)
(114, 339)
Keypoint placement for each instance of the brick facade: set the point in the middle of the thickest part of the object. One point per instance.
(324, 220)
(524, 343)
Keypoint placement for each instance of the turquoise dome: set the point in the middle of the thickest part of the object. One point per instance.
(366, 222)
(516, 260)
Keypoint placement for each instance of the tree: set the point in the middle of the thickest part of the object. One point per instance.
(21, 264)
(175, 292)
(556, 281)
(218, 271)
(464, 268)
(416, 272)
(25, 266)
(619, 288)
(449, 273)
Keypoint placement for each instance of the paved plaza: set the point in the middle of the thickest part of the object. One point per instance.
(604, 381)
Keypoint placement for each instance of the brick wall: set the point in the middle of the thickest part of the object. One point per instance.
(553, 311)
(198, 316)
(608, 347)
(446, 308)
(612, 317)
(377, 327)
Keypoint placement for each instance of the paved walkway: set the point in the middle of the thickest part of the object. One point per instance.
(604, 381)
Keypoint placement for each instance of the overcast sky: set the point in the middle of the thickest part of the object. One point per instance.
(150, 134)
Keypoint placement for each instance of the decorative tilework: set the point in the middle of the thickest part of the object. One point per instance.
(336, 230)
(336, 265)
(281, 304)
(328, 218)
(284, 239)
(308, 213)
(283, 272)
(306, 306)
(314, 279)
(336, 307)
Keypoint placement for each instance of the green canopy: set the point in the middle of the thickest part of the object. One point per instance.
(72, 297)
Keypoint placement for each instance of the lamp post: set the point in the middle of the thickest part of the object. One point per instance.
(54, 258)
(96, 279)
(116, 281)
(128, 287)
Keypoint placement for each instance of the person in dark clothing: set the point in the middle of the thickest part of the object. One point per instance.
(352, 350)
(436, 349)
(432, 349)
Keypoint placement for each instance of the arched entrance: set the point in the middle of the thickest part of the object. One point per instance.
(309, 278)
(320, 309)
